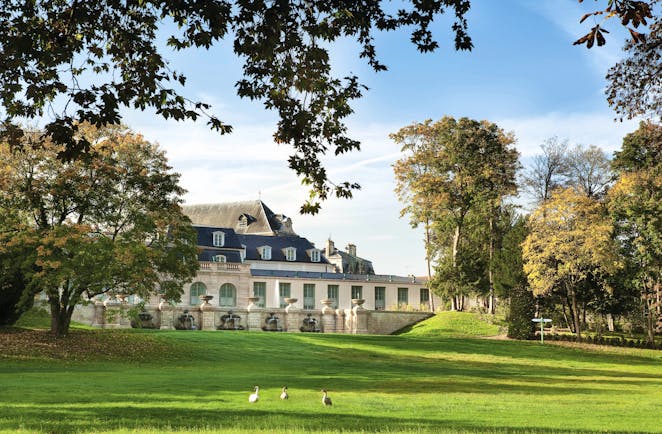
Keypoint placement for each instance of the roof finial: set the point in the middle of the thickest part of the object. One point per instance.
(259, 195)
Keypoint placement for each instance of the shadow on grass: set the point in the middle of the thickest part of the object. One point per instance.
(92, 418)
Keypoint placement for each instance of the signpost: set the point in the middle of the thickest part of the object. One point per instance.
(542, 322)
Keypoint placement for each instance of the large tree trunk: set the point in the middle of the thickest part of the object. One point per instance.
(610, 322)
(575, 314)
(566, 303)
(455, 305)
(428, 260)
(650, 311)
(60, 317)
(491, 307)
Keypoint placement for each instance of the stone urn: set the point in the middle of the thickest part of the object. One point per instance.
(252, 302)
(327, 302)
(290, 304)
(205, 299)
(358, 304)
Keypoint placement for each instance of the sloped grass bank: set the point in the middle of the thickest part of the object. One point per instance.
(452, 324)
(199, 381)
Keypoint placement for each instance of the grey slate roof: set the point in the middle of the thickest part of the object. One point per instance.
(234, 242)
(230, 255)
(252, 242)
(256, 217)
(206, 237)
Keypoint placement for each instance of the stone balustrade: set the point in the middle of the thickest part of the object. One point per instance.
(356, 320)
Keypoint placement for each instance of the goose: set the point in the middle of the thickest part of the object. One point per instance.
(283, 393)
(325, 399)
(254, 396)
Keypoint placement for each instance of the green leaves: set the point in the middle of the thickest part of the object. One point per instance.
(49, 47)
(107, 222)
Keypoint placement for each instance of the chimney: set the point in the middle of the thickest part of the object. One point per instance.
(351, 249)
(330, 248)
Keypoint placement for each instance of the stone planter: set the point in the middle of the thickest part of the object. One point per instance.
(327, 309)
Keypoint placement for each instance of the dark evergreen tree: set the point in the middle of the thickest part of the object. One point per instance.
(522, 310)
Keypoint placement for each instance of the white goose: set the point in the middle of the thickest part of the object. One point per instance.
(283, 393)
(325, 399)
(254, 396)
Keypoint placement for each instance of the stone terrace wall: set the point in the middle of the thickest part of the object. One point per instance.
(386, 322)
(207, 317)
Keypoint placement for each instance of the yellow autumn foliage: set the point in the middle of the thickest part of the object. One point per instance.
(570, 238)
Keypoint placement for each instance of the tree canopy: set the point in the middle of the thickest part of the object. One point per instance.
(569, 243)
(49, 49)
(451, 168)
(107, 224)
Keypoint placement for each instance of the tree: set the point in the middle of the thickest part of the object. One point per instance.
(521, 312)
(109, 223)
(508, 264)
(50, 48)
(449, 167)
(570, 241)
(636, 207)
(634, 84)
(16, 262)
(548, 171)
(589, 171)
(631, 13)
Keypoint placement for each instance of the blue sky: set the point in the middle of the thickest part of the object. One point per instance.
(523, 74)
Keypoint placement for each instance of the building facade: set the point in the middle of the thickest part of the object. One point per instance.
(256, 273)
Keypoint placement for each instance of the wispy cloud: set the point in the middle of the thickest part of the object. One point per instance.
(579, 128)
(565, 14)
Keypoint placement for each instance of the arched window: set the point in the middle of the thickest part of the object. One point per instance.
(228, 295)
(197, 289)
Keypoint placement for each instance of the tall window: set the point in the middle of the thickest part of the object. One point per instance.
(425, 298)
(284, 292)
(403, 297)
(218, 239)
(308, 296)
(332, 293)
(357, 292)
(291, 254)
(197, 289)
(228, 295)
(380, 298)
(260, 290)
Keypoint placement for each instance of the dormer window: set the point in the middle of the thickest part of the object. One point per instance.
(315, 255)
(265, 253)
(242, 252)
(290, 254)
(218, 239)
(243, 221)
(219, 258)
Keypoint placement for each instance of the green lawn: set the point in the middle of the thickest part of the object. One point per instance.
(419, 381)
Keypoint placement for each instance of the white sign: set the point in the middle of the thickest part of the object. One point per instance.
(542, 322)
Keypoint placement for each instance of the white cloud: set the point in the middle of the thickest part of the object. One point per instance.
(579, 128)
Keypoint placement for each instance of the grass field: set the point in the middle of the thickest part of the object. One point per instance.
(440, 376)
